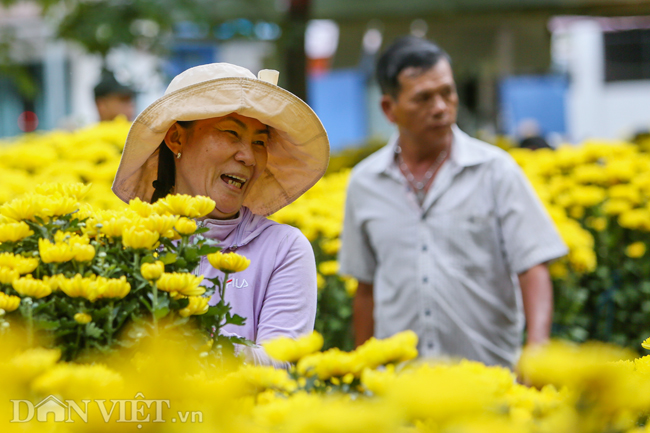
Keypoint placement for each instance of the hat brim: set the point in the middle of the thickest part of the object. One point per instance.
(298, 151)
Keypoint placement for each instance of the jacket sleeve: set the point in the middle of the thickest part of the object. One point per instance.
(289, 307)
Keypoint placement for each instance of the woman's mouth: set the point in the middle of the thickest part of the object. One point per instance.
(231, 179)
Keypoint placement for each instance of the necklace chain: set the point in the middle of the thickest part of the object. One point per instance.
(419, 186)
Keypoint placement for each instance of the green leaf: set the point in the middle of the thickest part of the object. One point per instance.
(46, 325)
(161, 312)
(168, 258)
(93, 331)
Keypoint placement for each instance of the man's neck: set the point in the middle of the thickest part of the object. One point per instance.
(417, 153)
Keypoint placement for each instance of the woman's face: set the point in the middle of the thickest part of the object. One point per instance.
(221, 158)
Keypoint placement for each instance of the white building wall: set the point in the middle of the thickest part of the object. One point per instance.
(596, 109)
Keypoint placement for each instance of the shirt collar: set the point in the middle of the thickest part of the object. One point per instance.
(464, 152)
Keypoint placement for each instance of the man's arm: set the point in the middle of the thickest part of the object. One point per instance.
(363, 318)
(537, 295)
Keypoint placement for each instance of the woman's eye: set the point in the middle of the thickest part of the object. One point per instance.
(260, 143)
(234, 133)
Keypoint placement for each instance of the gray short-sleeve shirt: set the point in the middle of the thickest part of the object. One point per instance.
(448, 270)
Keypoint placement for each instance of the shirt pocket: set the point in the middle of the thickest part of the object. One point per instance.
(471, 240)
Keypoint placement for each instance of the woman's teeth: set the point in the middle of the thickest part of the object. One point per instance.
(234, 180)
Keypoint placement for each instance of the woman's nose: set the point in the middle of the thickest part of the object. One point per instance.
(245, 153)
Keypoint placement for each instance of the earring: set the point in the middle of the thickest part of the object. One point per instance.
(178, 155)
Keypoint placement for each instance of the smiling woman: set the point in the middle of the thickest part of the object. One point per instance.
(253, 148)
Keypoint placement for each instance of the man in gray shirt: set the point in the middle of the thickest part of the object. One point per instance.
(444, 232)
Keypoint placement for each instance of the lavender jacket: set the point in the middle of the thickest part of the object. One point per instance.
(277, 293)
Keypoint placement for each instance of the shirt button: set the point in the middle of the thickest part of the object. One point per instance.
(430, 344)
(424, 247)
(425, 279)
(427, 312)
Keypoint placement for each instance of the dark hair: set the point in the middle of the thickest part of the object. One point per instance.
(109, 85)
(166, 180)
(406, 52)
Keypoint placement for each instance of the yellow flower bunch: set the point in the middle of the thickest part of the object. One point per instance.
(23, 265)
(54, 252)
(185, 205)
(137, 237)
(83, 318)
(197, 306)
(152, 271)
(635, 250)
(79, 286)
(291, 350)
(8, 275)
(185, 226)
(9, 303)
(78, 190)
(178, 284)
(112, 288)
(398, 348)
(29, 286)
(13, 232)
(228, 262)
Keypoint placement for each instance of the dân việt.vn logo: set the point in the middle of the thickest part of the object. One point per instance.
(137, 410)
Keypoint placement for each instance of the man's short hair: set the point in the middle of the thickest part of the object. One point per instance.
(406, 52)
(109, 85)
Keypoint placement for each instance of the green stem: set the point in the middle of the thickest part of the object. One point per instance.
(30, 323)
(155, 309)
(110, 323)
(222, 286)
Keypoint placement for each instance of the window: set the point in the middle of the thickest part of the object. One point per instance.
(627, 55)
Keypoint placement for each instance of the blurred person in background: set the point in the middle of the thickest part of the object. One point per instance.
(530, 135)
(113, 98)
(443, 231)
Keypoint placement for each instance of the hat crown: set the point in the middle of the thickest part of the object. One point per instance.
(202, 73)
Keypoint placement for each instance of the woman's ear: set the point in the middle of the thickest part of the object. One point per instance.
(175, 138)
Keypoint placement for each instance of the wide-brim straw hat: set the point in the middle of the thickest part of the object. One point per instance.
(298, 149)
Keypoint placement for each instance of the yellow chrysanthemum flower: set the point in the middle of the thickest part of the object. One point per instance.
(136, 237)
(54, 281)
(331, 246)
(115, 288)
(152, 271)
(291, 350)
(351, 286)
(56, 206)
(83, 253)
(9, 303)
(185, 226)
(54, 253)
(23, 208)
(142, 208)
(28, 286)
(112, 227)
(80, 287)
(83, 318)
(646, 344)
(635, 250)
(159, 223)
(181, 284)
(196, 307)
(229, 262)
(8, 275)
(13, 232)
(76, 190)
(185, 205)
(330, 267)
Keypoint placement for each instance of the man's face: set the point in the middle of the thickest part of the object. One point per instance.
(115, 104)
(427, 103)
